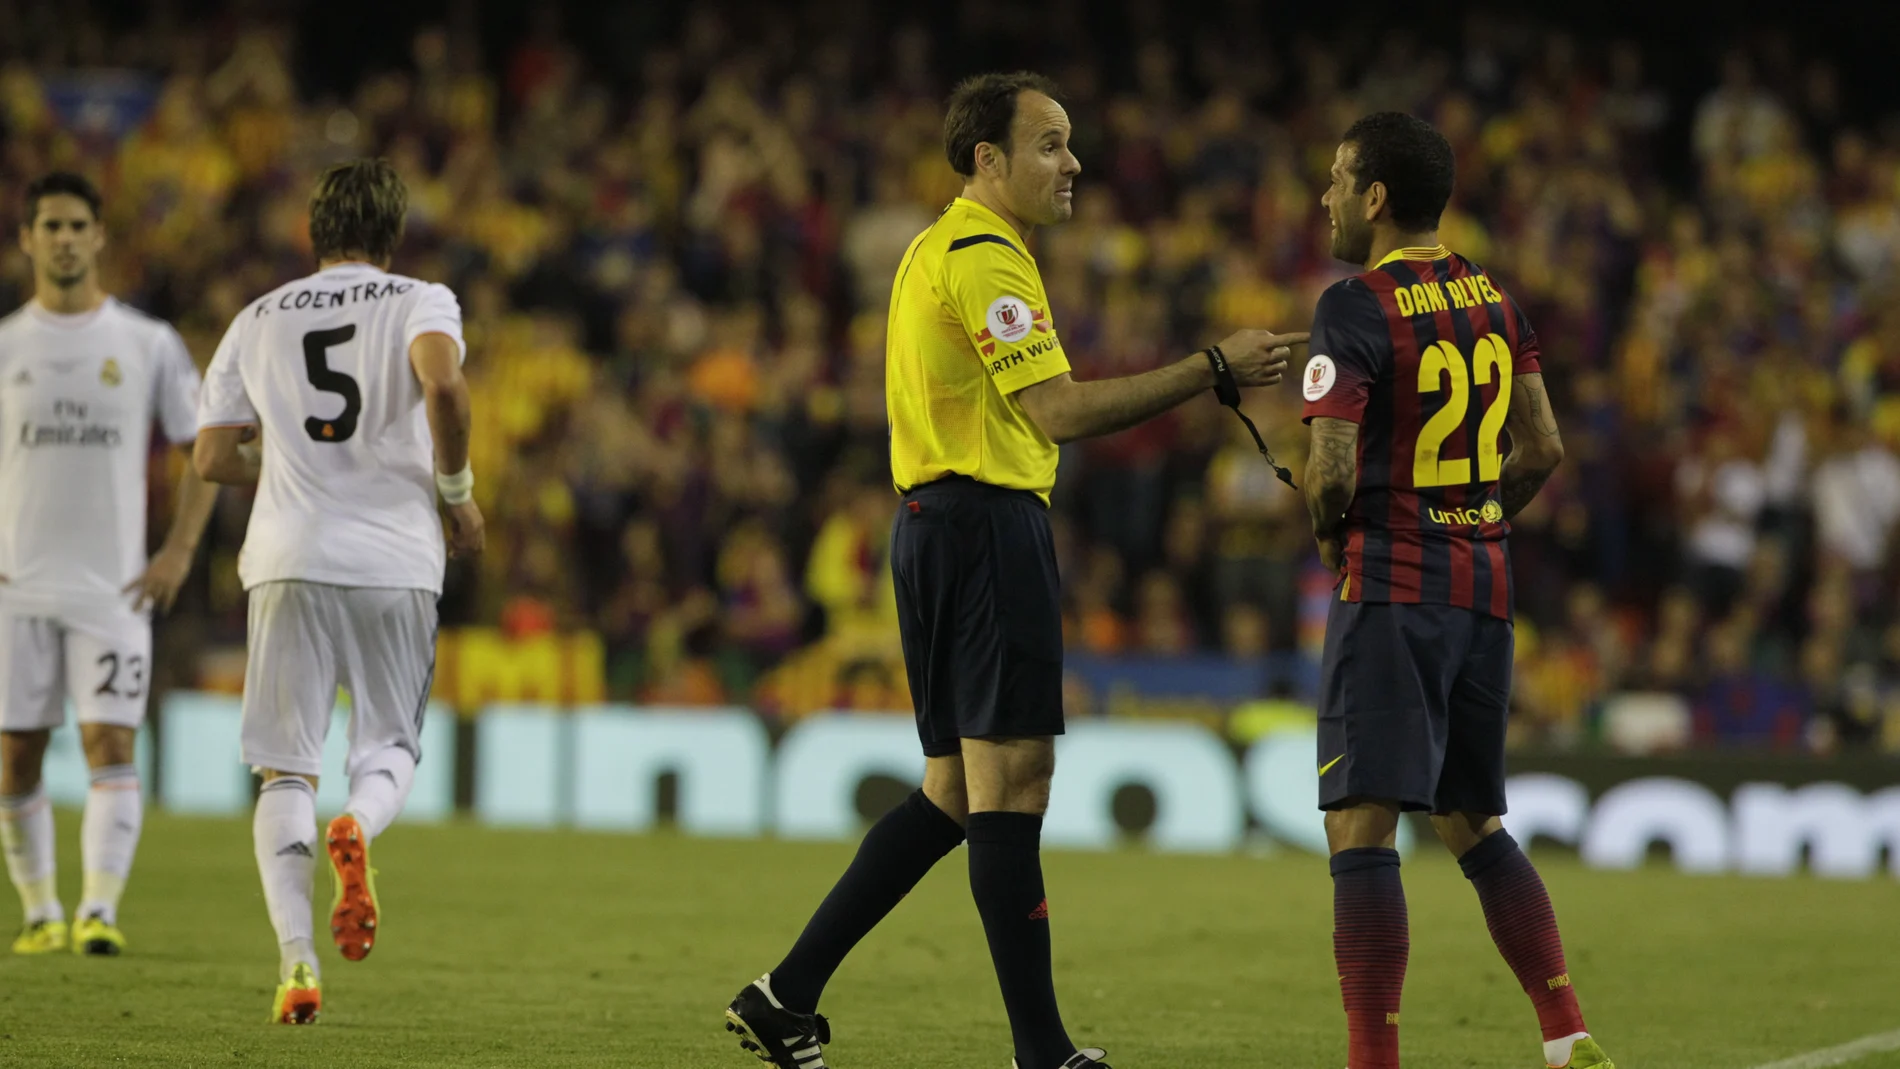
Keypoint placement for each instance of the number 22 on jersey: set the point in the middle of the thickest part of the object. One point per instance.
(1443, 367)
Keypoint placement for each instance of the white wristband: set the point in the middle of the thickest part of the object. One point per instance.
(458, 488)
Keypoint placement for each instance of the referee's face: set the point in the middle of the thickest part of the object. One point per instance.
(1040, 176)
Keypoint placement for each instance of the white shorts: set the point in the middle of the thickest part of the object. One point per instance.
(310, 639)
(104, 663)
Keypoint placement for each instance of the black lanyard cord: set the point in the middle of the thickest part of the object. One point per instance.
(1228, 393)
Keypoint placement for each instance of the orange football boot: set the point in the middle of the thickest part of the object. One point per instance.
(353, 915)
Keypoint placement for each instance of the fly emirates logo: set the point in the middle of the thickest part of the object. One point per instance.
(73, 423)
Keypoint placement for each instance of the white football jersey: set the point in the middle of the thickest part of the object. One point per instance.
(321, 366)
(78, 397)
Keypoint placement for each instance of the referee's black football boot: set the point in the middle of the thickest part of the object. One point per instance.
(1086, 1058)
(774, 1034)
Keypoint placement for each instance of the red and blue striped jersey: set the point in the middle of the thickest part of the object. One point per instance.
(1420, 352)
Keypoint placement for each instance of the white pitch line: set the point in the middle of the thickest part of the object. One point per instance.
(1841, 1055)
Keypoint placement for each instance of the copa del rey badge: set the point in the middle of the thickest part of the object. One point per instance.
(1009, 318)
(1317, 382)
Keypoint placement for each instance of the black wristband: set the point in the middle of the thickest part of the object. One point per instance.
(1226, 390)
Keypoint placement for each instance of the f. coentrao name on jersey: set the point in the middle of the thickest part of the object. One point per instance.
(321, 365)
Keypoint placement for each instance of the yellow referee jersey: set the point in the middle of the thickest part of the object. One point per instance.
(969, 326)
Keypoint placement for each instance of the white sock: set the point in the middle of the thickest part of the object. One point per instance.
(284, 834)
(1557, 1051)
(108, 837)
(26, 833)
(294, 953)
(378, 791)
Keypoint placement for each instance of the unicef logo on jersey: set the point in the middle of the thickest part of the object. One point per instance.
(1009, 318)
(1491, 512)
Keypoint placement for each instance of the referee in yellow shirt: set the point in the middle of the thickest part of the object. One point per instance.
(980, 397)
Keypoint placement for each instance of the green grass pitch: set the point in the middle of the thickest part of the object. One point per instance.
(505, 948)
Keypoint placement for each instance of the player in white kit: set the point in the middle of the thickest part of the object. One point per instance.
(83, 382)
(351, 383)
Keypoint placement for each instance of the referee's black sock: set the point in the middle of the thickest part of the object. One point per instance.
(1006, 880)
(898, 850)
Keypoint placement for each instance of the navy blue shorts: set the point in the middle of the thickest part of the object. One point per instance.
(978, 608)
(1413, 703)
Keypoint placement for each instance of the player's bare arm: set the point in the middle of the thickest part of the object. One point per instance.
(171, 565)
(1536, 446)
(1067, 410)
(1332, 474)
(228, 455)
(437, 361)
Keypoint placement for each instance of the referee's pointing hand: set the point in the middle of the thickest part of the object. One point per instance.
(1259, 357)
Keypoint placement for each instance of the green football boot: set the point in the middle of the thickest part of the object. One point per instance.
(1587, 1055)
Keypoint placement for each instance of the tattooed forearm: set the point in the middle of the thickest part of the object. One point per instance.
(1540, 419)
(1536, 448)
(1332, 472)
(1517, 485)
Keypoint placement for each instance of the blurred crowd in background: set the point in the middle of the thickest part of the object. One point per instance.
(674, 277)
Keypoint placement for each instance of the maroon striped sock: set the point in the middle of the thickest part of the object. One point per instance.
(1517, 910)
(1371, 941)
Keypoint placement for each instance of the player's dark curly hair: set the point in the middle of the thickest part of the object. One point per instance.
(358, 208)
(62, 182)
(1413, 160)
(982, 108)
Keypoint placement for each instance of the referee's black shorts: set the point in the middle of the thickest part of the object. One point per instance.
(978, 610)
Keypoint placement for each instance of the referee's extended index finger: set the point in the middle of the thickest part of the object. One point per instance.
(1298, 337)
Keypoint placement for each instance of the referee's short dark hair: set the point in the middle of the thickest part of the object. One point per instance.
(56, 183)
(1413, 160)
(982, 108)
(358, 207)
